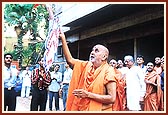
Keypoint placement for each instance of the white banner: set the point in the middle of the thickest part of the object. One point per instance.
(51, 43)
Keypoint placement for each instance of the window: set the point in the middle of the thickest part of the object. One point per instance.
(59, 51)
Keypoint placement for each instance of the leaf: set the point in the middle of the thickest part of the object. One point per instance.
(22, 19)
(21, 15)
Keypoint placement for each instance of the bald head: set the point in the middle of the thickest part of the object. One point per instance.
(104, 49)
(99, 55)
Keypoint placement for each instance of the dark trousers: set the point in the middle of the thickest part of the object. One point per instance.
(9, 99)
(39, 98)
(56, 97)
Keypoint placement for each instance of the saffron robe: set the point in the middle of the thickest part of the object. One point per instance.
(85, 77)
(153, 93)
(120, 102)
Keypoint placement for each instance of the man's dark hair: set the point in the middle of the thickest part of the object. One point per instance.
(8, 54)
(140, 56)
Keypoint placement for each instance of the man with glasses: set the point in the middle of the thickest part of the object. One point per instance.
(135, 85)
(10, 82)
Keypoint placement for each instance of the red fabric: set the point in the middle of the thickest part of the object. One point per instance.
(120, 101)
(36, 5)
(35, 79)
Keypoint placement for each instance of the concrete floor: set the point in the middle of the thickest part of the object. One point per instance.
(23, 104)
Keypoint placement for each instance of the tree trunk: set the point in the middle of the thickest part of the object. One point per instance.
(19, 48)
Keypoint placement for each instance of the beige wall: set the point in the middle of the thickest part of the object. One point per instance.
(9, 43)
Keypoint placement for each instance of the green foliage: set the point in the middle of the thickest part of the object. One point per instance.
(25, 17)
(27, 53)
(16, 14)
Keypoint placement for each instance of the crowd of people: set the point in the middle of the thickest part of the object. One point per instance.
(93, 85)
(38, 84)
(139, 87)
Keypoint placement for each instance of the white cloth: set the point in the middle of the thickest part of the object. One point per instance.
(55, 83)
(26, 77)
(26, 83)
(144, 69)
(123, 70)
(67, 75)
(135, 87)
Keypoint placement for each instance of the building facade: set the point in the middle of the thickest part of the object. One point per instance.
(126, 29)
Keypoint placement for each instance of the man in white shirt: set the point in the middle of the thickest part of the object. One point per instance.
(10, 81)
(54, 87)
(140, 63)
(26, 83)
(135, 85)
(65, 84)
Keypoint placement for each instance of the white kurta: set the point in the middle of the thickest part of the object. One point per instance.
(136, 87)
(26, 75)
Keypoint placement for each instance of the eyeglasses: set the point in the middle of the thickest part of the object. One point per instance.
(8, 57)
